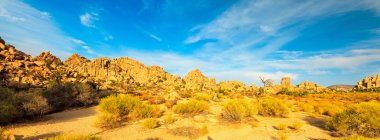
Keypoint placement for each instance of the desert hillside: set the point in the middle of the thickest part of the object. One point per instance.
(47, 98)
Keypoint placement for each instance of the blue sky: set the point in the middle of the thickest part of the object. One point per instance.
(327, 42)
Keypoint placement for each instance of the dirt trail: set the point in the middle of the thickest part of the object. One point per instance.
(81, 121)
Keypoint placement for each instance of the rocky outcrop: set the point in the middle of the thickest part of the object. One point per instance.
(369, 82)
(46, 58)
(121, 71)
(309, 86)
(17, 67)
(195, 80)
(75, 61)
(285, 82)
(233, 86)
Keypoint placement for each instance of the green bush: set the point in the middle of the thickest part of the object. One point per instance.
(150, 123)
(238, 109)
(192, 107)
(269, 106)
(362, 119)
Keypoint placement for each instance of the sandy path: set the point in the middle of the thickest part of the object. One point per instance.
(81, 122)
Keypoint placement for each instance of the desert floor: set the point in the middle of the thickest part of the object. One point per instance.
(81, 122)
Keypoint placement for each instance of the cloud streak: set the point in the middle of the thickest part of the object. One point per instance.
(32, 31)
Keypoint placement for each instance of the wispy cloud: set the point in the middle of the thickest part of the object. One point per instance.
(151, 35)
(88, 19)
(31, 30)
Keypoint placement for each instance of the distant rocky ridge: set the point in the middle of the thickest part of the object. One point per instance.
(119, 73)
(342, 87)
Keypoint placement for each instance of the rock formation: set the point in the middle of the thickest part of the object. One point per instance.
(285, 82)
(17, 67)
(309, 86)
(120, 71)
(233, 86)
(195, 80)
(369, 82)
(75, 61)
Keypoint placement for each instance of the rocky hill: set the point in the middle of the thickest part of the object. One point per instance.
(341, 87)
(121, 74)
(369, 82)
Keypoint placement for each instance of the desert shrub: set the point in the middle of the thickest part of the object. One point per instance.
(150, 123)
(8, 112)
(86, 94)
(327, 109)
(362, 119)
(169, 119)
(281, 126)
(142, 110)
(121, 108)
(108, 121)
(191, 132)
(37, 105)
(307, 107)
(286, 91)
(61, 96)
(202, 97)
(192, 107)
(78, 137)
(269, 106)
(297, 125)
(238, 109)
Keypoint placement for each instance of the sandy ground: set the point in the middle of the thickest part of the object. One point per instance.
(81, 121)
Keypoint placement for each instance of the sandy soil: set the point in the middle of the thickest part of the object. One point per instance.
(81, 121)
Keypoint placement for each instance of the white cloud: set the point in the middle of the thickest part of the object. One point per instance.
(88, 19)
(31, 30)
(248, 24)
(88, 49)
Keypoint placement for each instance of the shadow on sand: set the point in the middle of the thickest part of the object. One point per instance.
(318, 122)
(47, 135)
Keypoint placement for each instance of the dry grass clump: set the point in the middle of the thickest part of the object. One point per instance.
(362, 119)
(238, 109)
(307, 107)
(150, 123)
(202, 97)
(269, 106)
(169, 119)
(297, 125)
(78, 137)
(327, 109)
(116, 109)
(191, 132)
(192, 107)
